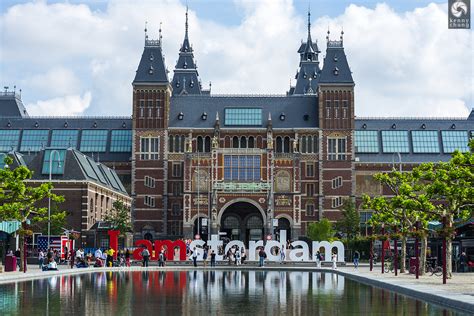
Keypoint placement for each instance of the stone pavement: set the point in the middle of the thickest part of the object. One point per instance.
(458, 293)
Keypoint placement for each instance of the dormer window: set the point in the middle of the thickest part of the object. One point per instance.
(336, 71)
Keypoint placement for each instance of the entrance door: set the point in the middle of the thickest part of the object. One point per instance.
(242, 221)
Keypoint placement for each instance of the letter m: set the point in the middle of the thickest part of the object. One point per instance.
(328, 249)
(170, 246)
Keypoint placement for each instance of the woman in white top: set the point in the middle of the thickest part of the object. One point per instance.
(334, 261)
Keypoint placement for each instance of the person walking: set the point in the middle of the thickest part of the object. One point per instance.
(282, 255)
(262, 255)
(127, 258)
(18, 257)
(71, 257)
(146, 256)
(213, 259)
(318, 259)
(195, 256)
(356, 259)
(237, 257)
(40, 259)
(463, 262)
(161, 259)
(204, 256)
(334, 261)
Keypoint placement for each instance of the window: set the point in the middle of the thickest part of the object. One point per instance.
(286, 144)
(177, 188)
(309, 189)
(34, 139)
(336, 103)
(453, 140)
(58, 161)
(149, 182)
(366, 141)
(309, 144)
(149, 148)
(279, 144)
(364, 217)
(336, 202)
(121, 141)
(104, 243)
(309, 209)
(64, 138)
(309, 170)
(9, 139)
(177, 170)
(395, 142)
(204, 144)
(149, 201)
(235, 142)
(425, 141)
(336, 148)
(93, 140)
(242, 167)
(176, 209)
(345, 103)
(176, 228)
(243, 117)
(337, 182)
(251, 142)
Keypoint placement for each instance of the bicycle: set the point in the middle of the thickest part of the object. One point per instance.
(388, 267)
(437, 270)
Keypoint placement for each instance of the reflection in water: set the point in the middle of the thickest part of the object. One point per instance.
(206, 292)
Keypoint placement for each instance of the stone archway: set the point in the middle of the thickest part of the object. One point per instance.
(242, 219)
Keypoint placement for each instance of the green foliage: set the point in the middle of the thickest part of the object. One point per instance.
(321, 230)
(350, 222)
(119, 217)
(18, 200)
(58, 221)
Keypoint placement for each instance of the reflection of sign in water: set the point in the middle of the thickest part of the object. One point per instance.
(202, 200)
(282, 200)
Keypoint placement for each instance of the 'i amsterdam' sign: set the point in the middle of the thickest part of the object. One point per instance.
(300, 251)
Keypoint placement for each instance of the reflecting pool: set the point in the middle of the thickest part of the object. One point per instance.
(206, 293)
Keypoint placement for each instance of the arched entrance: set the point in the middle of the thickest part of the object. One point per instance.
(242, 221)
(283, 224)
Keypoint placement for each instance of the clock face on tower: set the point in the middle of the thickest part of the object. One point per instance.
(282, 181)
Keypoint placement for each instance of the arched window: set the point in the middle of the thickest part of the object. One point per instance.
(235, 142)
(231, 222)
(243, 142)
(170, 144)
(286, 144)
(279, 144)
(254, 222)
(207, 144)
(200, 144)
(251, 142)
(181, 148)
(315, 144)
(310, 144)
(303, 144)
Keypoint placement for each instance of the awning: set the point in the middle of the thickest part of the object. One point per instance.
(9, 227)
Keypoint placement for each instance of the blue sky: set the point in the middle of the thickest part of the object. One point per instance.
(81, 56)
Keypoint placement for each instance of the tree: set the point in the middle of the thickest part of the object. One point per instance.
(19, 201)
(451, 185)
(58, 221)
(349, 225)
(321, 230)
(119, 218)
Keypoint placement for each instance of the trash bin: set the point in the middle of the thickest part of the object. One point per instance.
(10, 263)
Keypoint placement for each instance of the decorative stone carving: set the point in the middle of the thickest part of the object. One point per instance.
(283, 200)
(282, 181)
(201, 182)
(261, 200)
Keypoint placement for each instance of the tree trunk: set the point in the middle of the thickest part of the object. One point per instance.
(404, 254)
(424, 244)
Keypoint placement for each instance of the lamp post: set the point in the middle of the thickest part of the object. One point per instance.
(395, 249)
(399, 160)
(52, 152)
(417, 262)
(383, 250)
(444, 249)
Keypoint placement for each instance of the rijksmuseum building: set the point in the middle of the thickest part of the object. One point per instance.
(239, 165)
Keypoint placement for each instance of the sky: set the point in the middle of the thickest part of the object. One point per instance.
(80, 57)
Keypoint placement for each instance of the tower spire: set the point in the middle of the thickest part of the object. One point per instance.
(309, 23)
(186, 24)
(146, 30)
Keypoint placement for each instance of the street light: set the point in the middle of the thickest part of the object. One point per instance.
(54, 151)
(399, 160)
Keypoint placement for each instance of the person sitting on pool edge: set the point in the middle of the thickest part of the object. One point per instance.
(51, 266)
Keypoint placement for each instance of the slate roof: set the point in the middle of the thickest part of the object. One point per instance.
(294, 108)
(79, 167)
(11, 105)
(151, 68)
(336, 68)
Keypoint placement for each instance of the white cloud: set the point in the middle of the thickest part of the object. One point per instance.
(69, 105)
(403, 64)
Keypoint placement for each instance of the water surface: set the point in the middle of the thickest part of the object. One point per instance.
(206, 293)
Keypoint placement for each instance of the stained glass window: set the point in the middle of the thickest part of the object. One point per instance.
(93, 140)
(242, 167)
(395, 142)
(57, 160)
(366, 141)
(34, 139)
(9, 139)
(121, 141)
(243, 117)
(425, 141)
(64, 138)
(453, 140)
